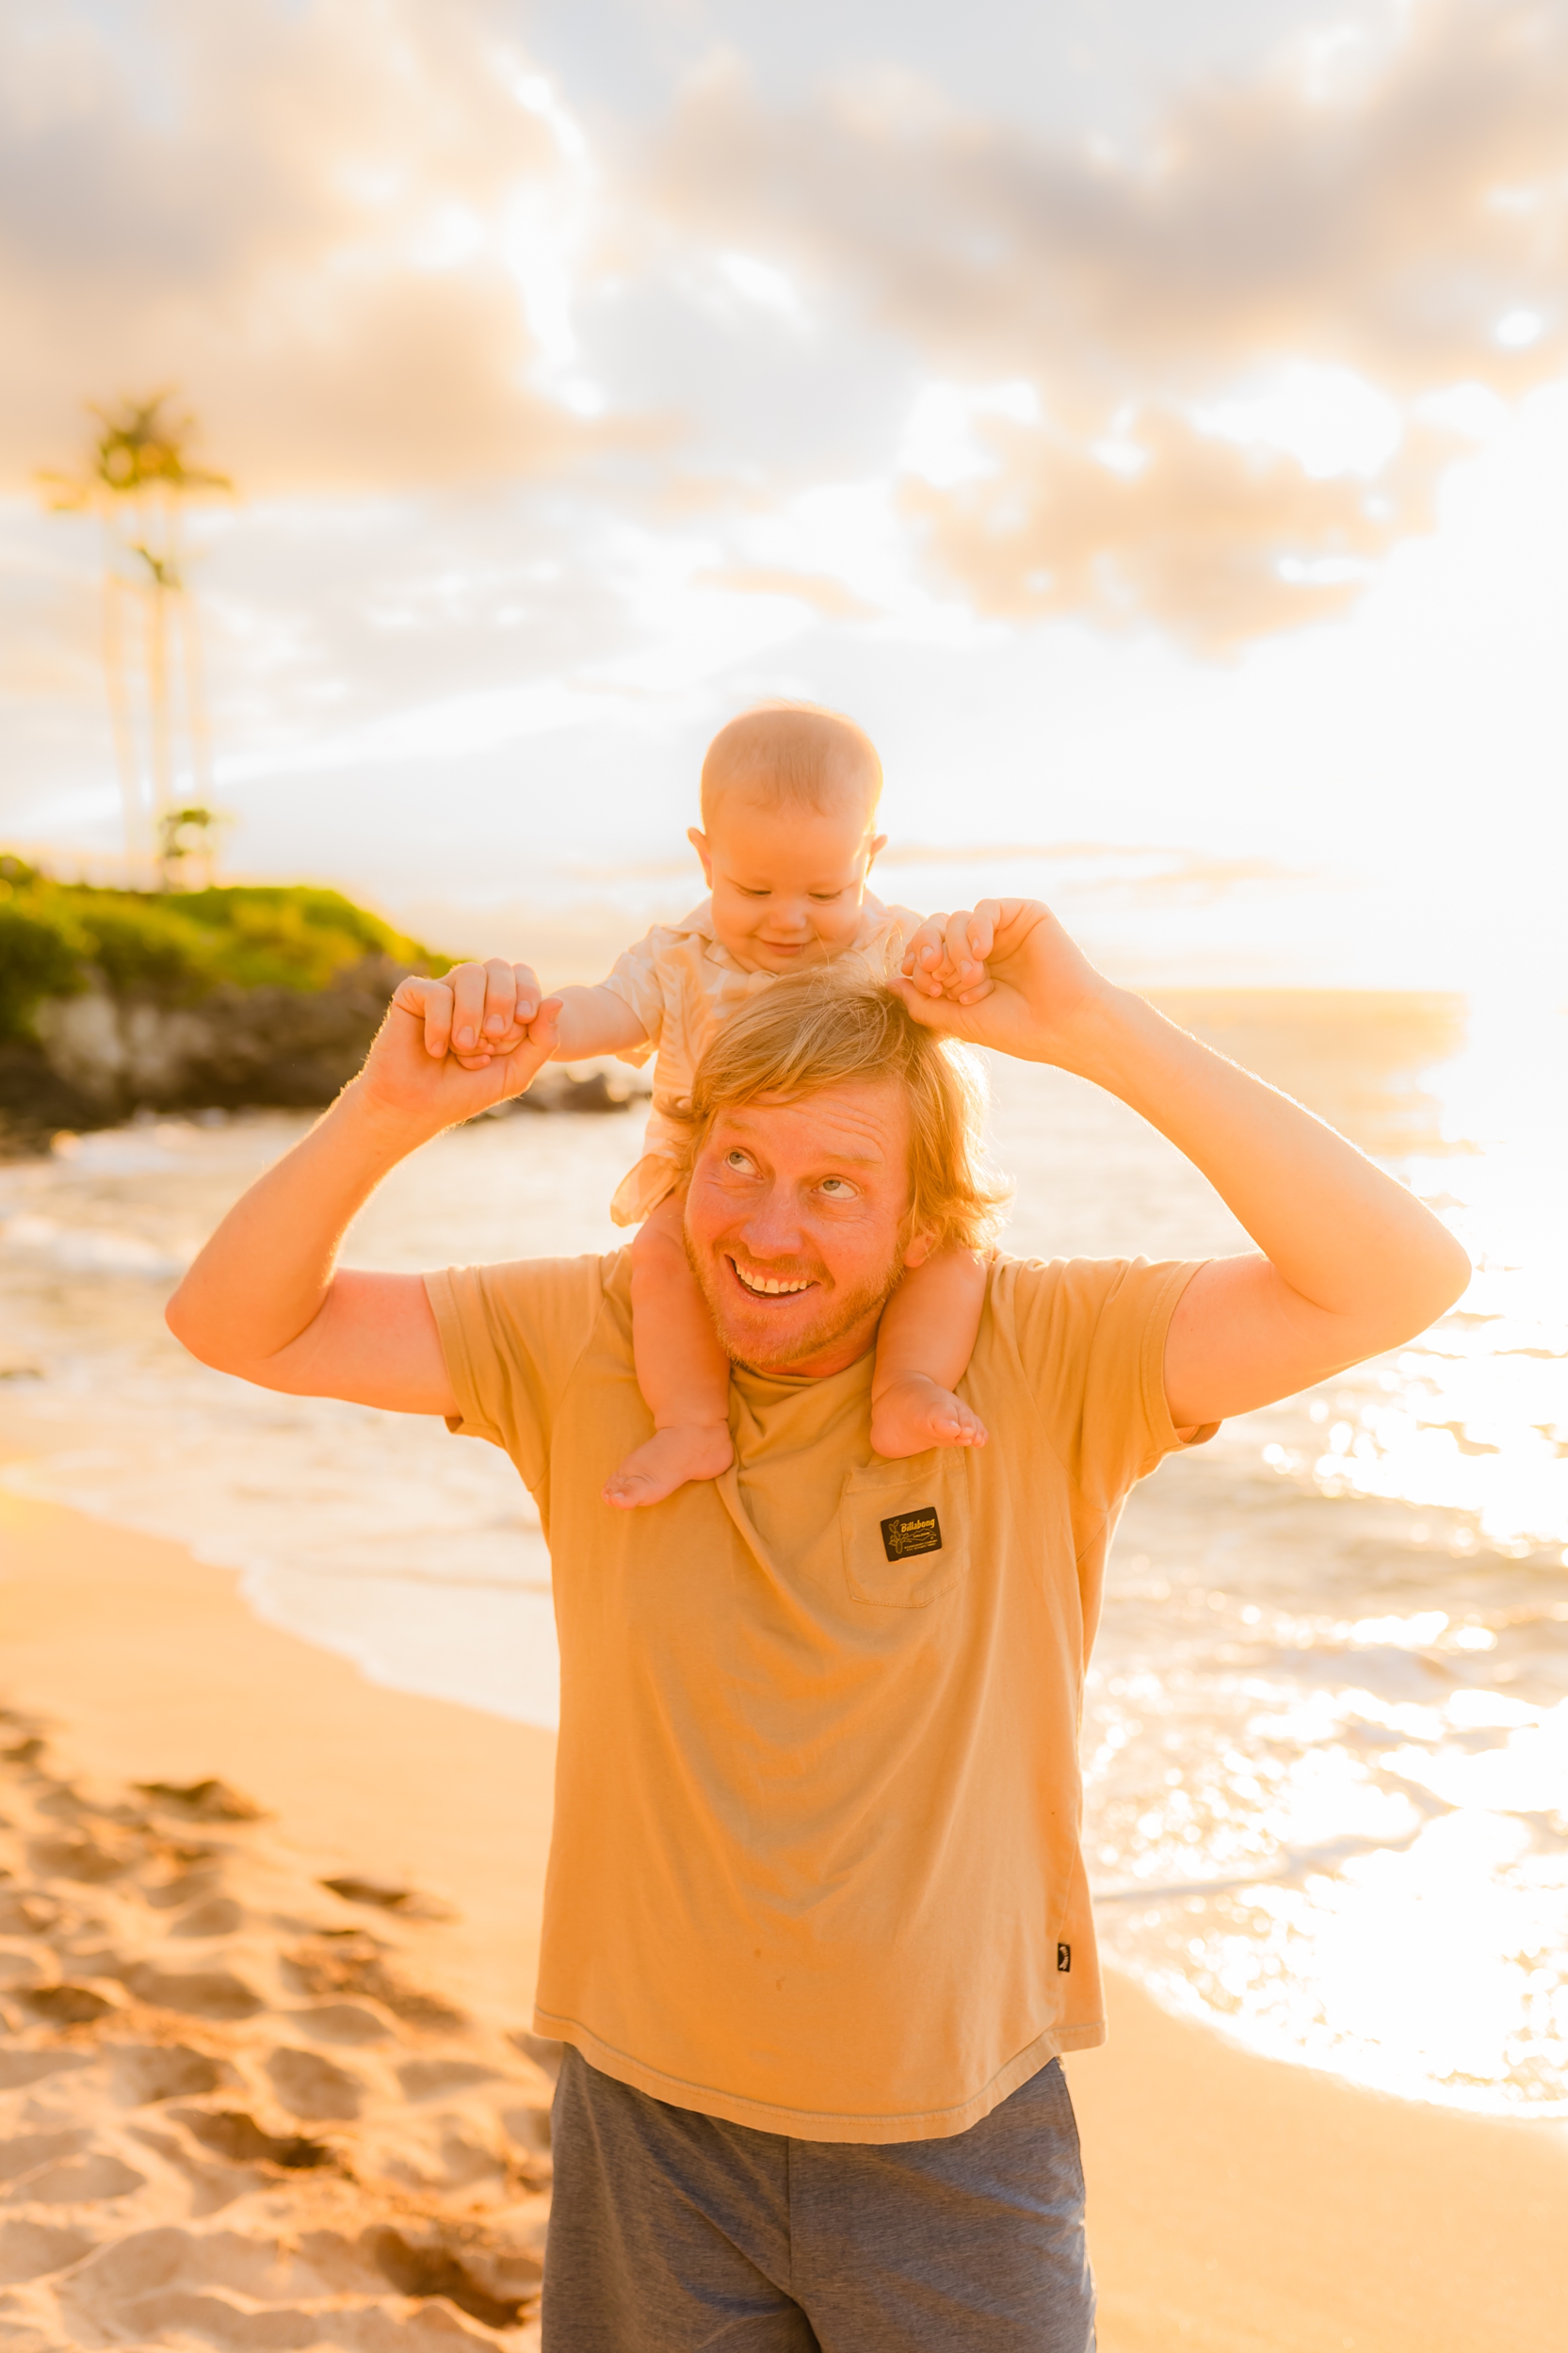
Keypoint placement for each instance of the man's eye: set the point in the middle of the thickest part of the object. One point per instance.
(737, 1159)
(838, 1187)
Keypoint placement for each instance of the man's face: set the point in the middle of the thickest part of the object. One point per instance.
(809, 1198)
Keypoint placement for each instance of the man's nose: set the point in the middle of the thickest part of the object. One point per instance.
(773, 1229)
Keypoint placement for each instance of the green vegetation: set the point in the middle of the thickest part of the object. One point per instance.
(176, 947)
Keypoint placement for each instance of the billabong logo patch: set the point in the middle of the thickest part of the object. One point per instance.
(908, 1533)
(1064, 1957)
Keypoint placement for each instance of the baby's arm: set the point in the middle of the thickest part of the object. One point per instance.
(926, 1338)
(597, 1021)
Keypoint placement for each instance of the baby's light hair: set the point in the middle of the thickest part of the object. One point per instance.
(793, 756)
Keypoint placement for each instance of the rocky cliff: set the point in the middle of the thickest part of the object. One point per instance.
(95, 1057)
(118, 1001)
(113, 1003)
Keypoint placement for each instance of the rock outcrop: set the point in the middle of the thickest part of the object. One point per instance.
(263, 1045)
(97, 1058)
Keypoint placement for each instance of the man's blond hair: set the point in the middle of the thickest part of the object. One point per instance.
(820, 1030)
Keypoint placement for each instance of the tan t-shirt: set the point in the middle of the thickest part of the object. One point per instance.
(816, 1864)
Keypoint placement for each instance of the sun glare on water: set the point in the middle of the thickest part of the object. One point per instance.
(1328, 1762)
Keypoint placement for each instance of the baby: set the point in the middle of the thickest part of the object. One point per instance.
(789, 799)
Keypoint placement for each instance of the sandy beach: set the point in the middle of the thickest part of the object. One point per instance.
(280, 2112)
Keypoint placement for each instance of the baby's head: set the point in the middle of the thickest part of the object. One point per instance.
(789, 802)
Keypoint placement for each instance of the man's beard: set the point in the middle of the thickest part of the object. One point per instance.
(840, 1312)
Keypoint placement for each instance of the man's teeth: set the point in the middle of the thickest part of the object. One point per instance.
(768, 1283)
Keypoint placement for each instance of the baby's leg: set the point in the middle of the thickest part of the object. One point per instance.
(683, 1372)
(926, 1338)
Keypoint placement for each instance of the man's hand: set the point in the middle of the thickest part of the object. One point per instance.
(452, 1048)
(943, 957)
(478, 1011)
(1004, 974)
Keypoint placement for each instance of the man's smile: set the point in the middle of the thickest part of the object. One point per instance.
(769, 1286)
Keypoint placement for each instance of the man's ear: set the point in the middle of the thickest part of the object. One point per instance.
(700, 843)
(918, 1250)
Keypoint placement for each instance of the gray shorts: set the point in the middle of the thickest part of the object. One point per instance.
(671, 2230)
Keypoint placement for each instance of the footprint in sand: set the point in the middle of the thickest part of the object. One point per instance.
(311, 2087)
(202, 1801)
(341, 2021)
(286, 2135)
(142, 2073)
(407, 1903)
(219, 1916)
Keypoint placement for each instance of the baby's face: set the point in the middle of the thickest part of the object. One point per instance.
(788, 884)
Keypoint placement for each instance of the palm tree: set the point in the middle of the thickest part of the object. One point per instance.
(138, 479)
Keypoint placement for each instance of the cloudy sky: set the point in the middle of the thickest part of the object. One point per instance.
(1151, 422)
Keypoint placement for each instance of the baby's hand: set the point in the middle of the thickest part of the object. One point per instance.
(945, 957)
(476, 1013)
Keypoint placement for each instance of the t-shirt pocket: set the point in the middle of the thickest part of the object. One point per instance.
(906, 1529)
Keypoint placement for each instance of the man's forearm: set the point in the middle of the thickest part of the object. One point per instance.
(265, 1273)
(1341, 1233)
(1351, 1263)
(263, 1300)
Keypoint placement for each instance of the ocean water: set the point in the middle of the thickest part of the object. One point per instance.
(1326, 1726)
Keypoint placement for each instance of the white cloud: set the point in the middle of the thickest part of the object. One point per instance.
(1329, 420)
(940, 442)
(1472, 410)
(1271, 287)
(760, 283)
(348, 229)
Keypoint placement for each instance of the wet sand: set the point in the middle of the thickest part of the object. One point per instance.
(354, 2139)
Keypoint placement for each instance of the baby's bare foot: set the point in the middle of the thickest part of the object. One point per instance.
(697, 1449)
(914, 1412)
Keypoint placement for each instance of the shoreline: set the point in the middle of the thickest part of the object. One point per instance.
(23, 1440)
(1236, 2203)
(155, 1667)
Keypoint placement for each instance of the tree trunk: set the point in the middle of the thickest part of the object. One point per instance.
(120, 722)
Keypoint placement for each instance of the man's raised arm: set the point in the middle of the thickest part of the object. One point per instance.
(1351, 1263)
(264, 1301)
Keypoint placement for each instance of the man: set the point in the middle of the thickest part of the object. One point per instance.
(816, 1927)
